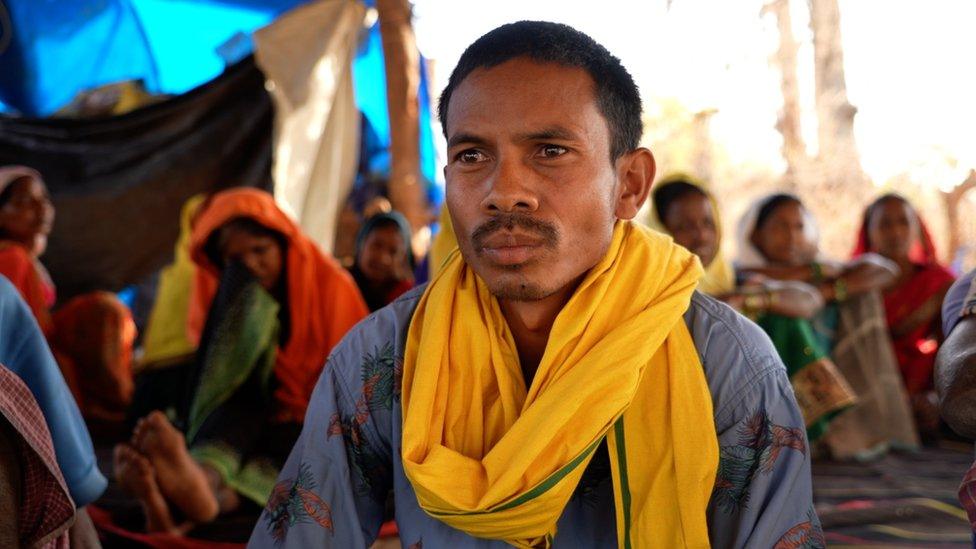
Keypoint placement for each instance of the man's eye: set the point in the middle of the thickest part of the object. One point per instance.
(552, 151)
(471, 156)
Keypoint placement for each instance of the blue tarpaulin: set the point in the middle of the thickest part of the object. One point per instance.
(58, 48)
(50, 50)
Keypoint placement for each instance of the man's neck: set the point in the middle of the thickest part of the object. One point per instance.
(531, 322)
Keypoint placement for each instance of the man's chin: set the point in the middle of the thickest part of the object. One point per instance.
(519, 291)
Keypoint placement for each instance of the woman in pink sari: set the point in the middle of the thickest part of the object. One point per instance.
(892, 228)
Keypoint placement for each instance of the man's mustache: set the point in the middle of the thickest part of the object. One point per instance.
(545, 231)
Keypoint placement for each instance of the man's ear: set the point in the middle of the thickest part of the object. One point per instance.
(635, 172)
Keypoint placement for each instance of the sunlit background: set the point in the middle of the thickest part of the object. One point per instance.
(908, 68)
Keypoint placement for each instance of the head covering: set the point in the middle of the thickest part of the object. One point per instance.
(922, 251)
(166, 336)
(323, 302)
(374, 221)
(719, 275)
(747, 254)
(25, 352)
(9, 174)
(378, 296)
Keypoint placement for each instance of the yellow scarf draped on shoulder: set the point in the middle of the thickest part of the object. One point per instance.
(496, 459)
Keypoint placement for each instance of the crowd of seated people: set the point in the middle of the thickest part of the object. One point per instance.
(858, 337)
(246, 315)
(91, 335)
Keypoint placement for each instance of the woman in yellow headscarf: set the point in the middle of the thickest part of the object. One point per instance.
(696, 225)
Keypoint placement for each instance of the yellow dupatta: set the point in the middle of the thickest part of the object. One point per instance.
(166, 337)
(497, 460)
(445, 242)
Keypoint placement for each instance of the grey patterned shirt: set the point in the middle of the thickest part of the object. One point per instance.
(333, 489)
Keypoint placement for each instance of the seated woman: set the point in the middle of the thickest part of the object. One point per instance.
(892, 228)
(690, 215)
(278, 309)
(92, 334)
(383, 268)
(778, 239)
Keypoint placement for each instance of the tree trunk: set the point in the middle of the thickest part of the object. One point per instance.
(841, 184)
(794, 150)
(835, 114)
(701, 130)
(402, 61)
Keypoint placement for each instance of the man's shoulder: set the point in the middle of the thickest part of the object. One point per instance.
(739, 360)
(954, 301)
(382, 332)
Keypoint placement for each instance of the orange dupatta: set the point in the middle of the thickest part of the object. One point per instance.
(323, 300)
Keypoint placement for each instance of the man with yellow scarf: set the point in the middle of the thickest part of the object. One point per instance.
(559, 382)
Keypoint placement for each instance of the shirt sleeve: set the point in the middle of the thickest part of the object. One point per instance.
(24, 350)
(763, 494)
(333, 487)
(960, 301)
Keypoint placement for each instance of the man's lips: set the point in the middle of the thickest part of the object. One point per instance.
(505, 248)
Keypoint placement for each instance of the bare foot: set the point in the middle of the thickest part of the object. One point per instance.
(181, 479)
(136, 476)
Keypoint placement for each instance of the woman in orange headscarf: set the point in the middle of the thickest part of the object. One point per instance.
(268, 306)
(92, 334)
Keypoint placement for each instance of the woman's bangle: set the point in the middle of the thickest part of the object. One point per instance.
(816, 272)
(756, 304)
(840, 290)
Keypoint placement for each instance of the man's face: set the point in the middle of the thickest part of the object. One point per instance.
(530, 185)
(691, 222)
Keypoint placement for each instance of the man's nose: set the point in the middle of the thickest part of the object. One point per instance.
(511, 188)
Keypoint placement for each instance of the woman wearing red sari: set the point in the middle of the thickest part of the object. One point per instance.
(892, 228)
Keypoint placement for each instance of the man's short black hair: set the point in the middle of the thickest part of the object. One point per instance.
(617, 96)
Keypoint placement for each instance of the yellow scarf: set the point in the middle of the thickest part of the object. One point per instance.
(490, 457)
(444, 243)
(166, 336)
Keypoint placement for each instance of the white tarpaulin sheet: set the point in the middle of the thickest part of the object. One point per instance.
(307, 56)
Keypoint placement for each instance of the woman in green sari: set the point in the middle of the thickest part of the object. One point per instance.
(777, 239)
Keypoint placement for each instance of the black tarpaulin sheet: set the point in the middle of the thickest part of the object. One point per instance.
(118, 183)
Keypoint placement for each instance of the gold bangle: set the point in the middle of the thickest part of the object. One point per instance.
(753, 304)
(840, 290)
(816, 271)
